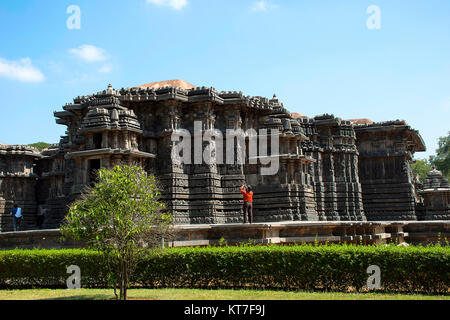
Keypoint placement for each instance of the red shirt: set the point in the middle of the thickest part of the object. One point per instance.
(248, 196)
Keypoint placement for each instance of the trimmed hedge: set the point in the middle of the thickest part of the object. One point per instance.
(306, 267)
(47, 268)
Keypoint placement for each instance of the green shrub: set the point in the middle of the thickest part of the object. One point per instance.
(336, 268)
(47, 268)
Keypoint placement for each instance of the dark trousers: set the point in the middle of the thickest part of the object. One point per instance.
(248, 212)
(16, 223)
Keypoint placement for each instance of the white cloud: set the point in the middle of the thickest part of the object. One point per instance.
(263, 5)
(89, 53)
(21, 70)
(174, 4)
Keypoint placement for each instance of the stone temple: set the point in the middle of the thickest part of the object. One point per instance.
(330, 169)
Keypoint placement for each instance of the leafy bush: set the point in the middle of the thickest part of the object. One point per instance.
(337, 268)
(47, 268)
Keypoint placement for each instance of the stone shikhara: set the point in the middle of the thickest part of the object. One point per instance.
(329, 169)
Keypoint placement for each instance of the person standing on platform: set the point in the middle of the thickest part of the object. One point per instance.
(248, 203)
(16, 213)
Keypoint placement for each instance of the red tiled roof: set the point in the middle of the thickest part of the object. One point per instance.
(298, 115)
(169, 83)
(361, 121)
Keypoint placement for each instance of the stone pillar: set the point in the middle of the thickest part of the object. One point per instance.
(283, 172)
(291, 174)
(116, 144)
(90, 141)
(106, 162)
(105, 140)
(126, 140)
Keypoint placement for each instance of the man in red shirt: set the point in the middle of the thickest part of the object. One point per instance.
(248, 202)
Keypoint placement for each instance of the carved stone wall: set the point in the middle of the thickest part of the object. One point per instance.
(336, 180)
(436, 197)
(17, 185)
(386, 151)
(329, 169)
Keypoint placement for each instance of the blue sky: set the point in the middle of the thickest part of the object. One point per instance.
(317, 56)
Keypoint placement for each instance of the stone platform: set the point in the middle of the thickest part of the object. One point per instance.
(413, 232)
(309, 232)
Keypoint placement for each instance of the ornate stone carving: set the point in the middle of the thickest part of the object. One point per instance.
(330, 168)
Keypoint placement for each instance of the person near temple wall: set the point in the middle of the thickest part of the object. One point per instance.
(16, 213)
(40, 216)
(248, 203)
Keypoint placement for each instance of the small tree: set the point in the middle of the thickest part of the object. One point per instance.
(40, 145)
(442, 159)
(421, 168)
(120, 216)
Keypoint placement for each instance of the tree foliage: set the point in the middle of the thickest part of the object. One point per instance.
(40, 145)
(120, 215)
(421, 168)
(442, 159)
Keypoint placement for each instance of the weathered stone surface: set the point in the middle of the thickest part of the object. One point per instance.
(435, 197)
(330, 169)
(291, 232)
(18, 184)
(385, 153)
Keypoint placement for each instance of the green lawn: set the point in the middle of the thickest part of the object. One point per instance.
(195, 294)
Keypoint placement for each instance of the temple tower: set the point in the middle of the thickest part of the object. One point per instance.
(386, 150)
(17, 184)
(436, 197)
